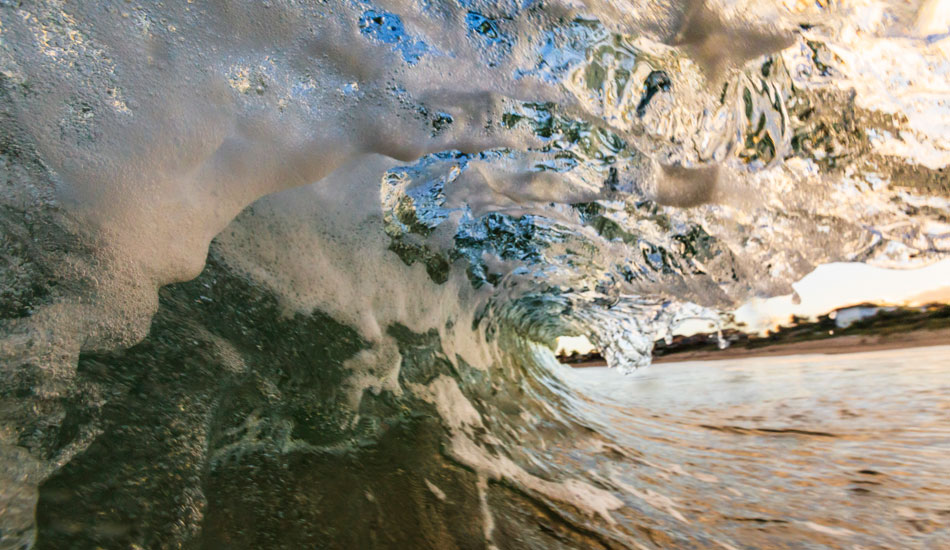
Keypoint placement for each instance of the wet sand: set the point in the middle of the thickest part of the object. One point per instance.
(829, 346)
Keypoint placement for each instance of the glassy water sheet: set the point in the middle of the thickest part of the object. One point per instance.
(288, 274)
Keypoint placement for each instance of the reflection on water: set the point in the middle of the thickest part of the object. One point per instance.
(841, 451)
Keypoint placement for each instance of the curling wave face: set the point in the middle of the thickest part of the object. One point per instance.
(286, 273)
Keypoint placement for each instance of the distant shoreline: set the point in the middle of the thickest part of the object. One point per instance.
(853, 343)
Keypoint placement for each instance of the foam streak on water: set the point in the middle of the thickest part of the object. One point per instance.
(282, 274)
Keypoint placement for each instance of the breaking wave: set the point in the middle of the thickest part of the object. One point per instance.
(289, 274)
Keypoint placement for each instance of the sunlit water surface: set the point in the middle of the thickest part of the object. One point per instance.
(811, 451)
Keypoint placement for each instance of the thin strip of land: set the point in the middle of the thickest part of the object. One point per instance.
(829, 346)
(880, 329)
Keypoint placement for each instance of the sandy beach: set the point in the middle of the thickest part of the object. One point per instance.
(828, 346)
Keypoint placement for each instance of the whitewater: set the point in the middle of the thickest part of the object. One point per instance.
(290, 274)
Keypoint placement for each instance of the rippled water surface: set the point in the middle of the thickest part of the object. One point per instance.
(840, 451)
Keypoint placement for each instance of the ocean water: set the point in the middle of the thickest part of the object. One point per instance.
(288, 274)
(811, 451)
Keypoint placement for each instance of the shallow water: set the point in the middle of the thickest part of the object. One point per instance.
(816, 451)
